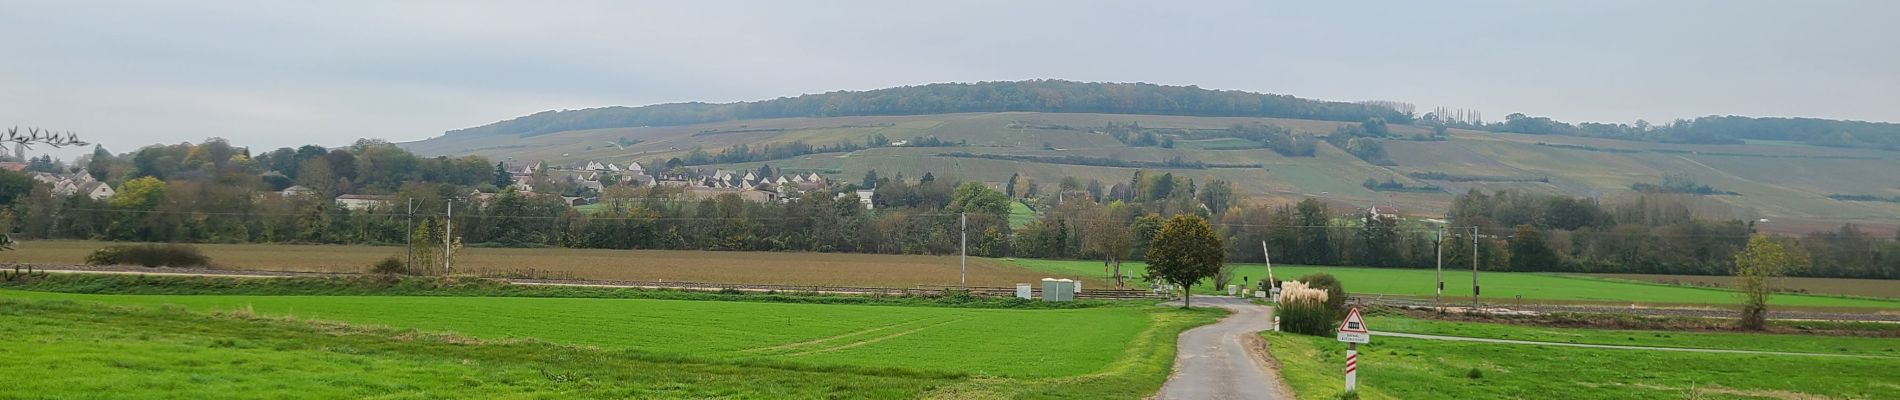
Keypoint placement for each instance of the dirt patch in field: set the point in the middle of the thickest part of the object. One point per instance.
(1770, 394)
(815, 269)
(824, 269)
(1835, 286)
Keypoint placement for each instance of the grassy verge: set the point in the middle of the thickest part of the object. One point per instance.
(1499, 287)
(1397, 368)
(1871, 346)
(375, 285)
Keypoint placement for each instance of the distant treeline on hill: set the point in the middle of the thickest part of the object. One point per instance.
(1441, 176)
(1176, 162)
(1864, 197)
(941, 98)
(1725, 129)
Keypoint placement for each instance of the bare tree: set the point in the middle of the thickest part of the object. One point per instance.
(1109, 234)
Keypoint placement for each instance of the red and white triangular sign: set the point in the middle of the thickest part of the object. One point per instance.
(1353, 323)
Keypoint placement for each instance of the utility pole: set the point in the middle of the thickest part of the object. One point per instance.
(409, 235)
(963, 257)
(1439, 297)
(448, 234)
(1474, 269)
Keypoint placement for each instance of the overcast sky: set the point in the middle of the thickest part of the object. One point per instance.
(269, 74)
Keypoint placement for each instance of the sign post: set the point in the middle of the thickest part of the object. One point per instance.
(1353, 331)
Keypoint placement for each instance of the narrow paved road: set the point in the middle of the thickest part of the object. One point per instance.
(1216, 362)
(1609, 346)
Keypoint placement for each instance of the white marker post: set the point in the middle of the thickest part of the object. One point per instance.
(1353, 332)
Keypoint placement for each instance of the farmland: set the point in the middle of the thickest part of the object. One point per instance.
(898, 351)
(1401, 368)
(1498, 287)
(638, 265)
(156, 353)
(1785, 182)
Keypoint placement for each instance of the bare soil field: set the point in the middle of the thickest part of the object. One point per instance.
(1825, 286)
(819, 269)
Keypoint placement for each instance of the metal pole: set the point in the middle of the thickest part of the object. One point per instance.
(1474, 269)
(448, 232)
(1439, 297)
(1352, 366)
(963, 254)
(409, 235)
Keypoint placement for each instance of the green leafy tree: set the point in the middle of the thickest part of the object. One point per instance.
(1761, 261)
(1315, 242)
(1217, 196)
(1185, 252)
(502, 179)
(1529, 252)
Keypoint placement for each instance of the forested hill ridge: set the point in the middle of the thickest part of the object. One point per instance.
(1061, 96)
(945, 98)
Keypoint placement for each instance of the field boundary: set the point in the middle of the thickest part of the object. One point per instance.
(920, 290)
(1612, 346)
(1574, 275)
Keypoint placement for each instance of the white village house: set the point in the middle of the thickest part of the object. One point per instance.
(357, 202)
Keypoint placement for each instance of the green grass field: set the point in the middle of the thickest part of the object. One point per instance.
(1498, 287)
(1866, 346)
(1106, 352)
(80, 350)
(877, 336)
(1398, 368)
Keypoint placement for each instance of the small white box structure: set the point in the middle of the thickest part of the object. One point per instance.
(1231, 289)
(1058, 289)
(1025, 291)
(1259, 294)
(1078, 286)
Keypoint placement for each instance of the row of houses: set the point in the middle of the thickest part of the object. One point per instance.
(697, 183)
(77, 183)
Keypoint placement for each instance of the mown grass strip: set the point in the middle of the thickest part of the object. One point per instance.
(380, 285)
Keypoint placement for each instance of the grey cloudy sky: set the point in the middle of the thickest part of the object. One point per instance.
(268, 74)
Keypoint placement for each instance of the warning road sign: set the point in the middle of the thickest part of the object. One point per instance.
(1353, 329)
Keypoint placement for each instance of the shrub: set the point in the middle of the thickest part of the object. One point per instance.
(1335, 291)
(150, 255)
(389, 266)
(1303, 310)
(1474, 373)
